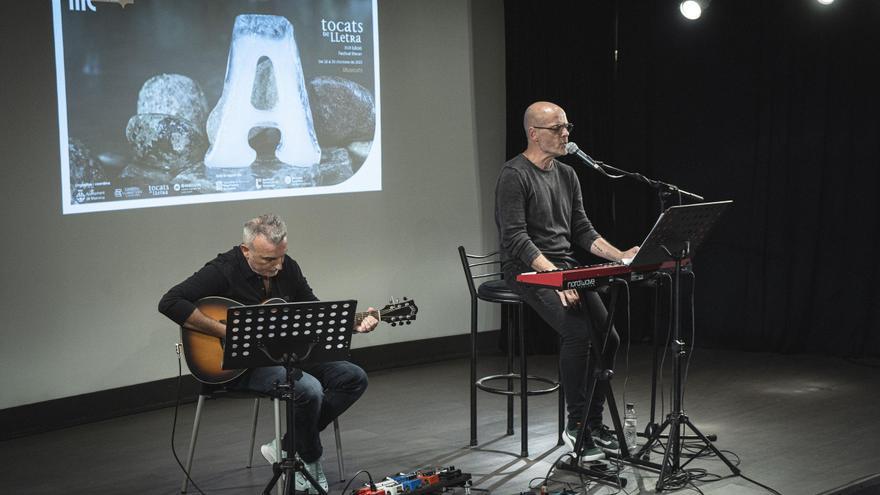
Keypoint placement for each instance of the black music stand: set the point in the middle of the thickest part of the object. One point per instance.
(652, 253)
(288, 334)
(676, 236)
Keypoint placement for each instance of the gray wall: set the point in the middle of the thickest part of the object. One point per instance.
(80, 291)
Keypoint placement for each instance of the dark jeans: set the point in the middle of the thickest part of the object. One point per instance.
(321, 394)
(577, 327)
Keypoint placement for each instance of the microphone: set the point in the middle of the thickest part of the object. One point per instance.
(572, 149)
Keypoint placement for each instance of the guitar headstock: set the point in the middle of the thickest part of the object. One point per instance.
(399, 312)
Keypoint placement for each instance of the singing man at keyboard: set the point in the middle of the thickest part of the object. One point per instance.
(540, 214)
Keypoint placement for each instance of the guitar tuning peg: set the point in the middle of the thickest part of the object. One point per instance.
(404, 298)
(408, 322)
(393, 323)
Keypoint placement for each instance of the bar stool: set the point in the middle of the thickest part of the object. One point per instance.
(487, 268)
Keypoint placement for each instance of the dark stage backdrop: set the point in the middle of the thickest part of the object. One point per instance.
(775, 105)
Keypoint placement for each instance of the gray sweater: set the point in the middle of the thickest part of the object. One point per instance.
(540, 212)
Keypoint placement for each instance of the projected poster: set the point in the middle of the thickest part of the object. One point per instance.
(165, 102)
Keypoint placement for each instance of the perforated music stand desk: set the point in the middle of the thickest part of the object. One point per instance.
(288, 334)
(313, 332)
(676, 226)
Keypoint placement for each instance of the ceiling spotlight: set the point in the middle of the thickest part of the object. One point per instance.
(825, 2)
(691, 9)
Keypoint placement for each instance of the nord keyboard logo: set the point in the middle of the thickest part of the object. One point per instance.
(580, 284)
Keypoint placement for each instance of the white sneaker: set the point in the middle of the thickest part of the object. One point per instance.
(316, 470)
(301, 484)
(270, 452)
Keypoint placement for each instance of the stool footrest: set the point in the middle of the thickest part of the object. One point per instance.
(554, 386)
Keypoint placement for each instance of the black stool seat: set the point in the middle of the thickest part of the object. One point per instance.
(498, 291)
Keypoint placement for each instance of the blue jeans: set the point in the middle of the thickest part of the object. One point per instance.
(321, 393)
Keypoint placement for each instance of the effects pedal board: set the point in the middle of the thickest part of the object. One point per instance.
(421, 482)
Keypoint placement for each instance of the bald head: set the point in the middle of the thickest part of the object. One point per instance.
(539, 113)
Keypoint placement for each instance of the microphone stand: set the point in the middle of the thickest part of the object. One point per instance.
(664, 190)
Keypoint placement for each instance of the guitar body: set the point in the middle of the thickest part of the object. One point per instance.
(204, 353)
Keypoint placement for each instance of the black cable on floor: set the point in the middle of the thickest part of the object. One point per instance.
(628, 343)
(547, 477)
(771, 490)
(369, 477)
(174, 422)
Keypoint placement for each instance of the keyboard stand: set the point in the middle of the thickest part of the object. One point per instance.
(597, 375)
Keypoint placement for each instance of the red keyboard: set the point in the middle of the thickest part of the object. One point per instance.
(592, 276)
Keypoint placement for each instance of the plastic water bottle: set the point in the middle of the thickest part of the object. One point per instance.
(630, 423)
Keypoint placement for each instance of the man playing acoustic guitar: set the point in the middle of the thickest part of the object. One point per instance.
(250, 273)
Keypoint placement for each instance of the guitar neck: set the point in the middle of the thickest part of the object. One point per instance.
(359, 317)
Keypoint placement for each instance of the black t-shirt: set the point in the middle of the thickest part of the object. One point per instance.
(229, 275)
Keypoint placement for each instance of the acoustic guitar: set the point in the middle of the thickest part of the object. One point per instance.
(204, 353)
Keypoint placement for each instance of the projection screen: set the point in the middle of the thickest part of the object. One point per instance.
(168, 102)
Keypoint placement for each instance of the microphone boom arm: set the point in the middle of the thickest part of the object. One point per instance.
(663, 189)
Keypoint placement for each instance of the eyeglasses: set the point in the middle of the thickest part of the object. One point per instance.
(557, 128)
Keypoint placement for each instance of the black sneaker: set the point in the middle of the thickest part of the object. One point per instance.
(605, 439)
(589, 451)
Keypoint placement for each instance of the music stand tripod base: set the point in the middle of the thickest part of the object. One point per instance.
(290, 335)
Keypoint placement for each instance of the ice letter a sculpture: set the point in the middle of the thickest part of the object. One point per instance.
(255, 37)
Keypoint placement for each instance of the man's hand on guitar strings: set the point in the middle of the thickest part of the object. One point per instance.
(369, 323)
